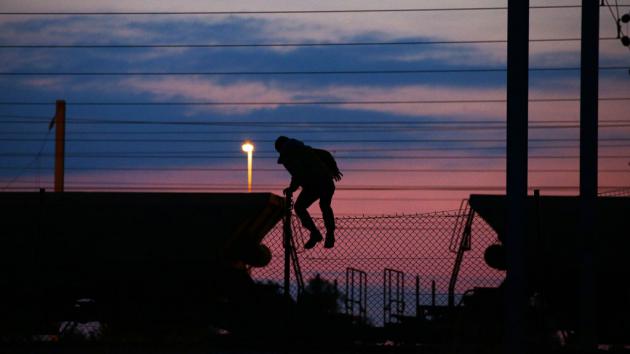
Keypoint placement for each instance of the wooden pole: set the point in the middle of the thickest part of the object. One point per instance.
(60, 144)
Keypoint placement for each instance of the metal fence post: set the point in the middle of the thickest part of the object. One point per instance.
(286, 228)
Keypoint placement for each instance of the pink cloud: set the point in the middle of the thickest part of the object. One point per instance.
(200, 89)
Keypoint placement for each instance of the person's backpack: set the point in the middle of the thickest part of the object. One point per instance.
(329, 161)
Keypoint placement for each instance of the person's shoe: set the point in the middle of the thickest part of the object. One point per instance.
(330, 240)
(316, 237)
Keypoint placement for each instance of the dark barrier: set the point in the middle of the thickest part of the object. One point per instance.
(146, 260)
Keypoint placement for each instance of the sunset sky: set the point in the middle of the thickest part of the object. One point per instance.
(411, 103)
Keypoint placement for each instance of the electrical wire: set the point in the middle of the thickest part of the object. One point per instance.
(348, 141)
(264, 45)
(276, 131)
(297, 72)
(361, 150)
(349, 129)
(617, 18)
(211, 154)
(362, 170)
(30, 163)
(339, 157)
(301, 103)
(310, 123)
(265, 187)
(278, 12)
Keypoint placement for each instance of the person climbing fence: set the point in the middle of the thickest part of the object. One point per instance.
(315, 171)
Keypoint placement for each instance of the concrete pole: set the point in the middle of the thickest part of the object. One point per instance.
(516, 175)
(589, 77)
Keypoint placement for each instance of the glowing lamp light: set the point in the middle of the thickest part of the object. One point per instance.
(248, 147)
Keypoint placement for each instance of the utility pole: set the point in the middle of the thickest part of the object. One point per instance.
(589, 77)
(516, 175)
(60, 144)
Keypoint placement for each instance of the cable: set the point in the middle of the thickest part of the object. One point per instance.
(306, 128)
(299, 103)
(339, 157)
(616, 17)
(28, 165)
(318, 122)
(354, 150)
(362, 170)
(264, 45)
(280, 12)
(360, 150)
(348, 141)
(238, 187)
(301, 72)
(276, 131)
(310, 124)
(338, 129)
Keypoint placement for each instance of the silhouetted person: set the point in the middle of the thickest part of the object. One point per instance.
(315, 170)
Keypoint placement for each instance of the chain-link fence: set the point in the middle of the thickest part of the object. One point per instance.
(401, 262)
(418, 250)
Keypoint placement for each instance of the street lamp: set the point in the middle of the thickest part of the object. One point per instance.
(248, 147)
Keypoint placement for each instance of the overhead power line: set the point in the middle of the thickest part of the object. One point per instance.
(277, 12)
(621, 35)
(357, 150)
(299, 72)
(362, 170)
(315, 129)
(235, 187)
(330, 130)
(379, 123)
(352, 157)
(264, 45)
(275, 131)
(348, 141)
(298, 103)
(30, 163)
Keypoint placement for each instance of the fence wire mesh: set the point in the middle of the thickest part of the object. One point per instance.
(416, 245)
(421, 246)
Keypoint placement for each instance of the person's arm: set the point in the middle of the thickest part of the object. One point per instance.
(293, 186)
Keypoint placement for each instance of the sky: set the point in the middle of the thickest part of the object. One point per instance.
(133, 132)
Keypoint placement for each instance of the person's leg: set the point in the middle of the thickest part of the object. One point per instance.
(307, 197)
(327, 213)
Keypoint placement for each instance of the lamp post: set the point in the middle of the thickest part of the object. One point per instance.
(248, 147)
